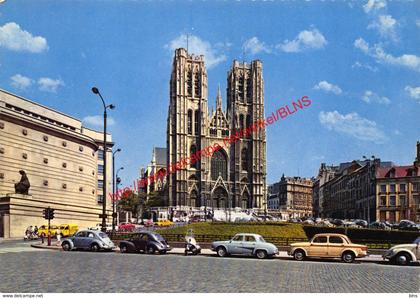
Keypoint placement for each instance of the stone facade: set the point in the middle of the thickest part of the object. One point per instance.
(231, 177)
(398, 192)
(292, 197)
(61, 159)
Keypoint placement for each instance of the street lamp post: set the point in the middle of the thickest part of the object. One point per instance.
(96, 91)
(114, 195)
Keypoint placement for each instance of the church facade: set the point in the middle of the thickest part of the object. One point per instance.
(234, 176)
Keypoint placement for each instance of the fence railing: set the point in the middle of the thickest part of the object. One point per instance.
(278, 241)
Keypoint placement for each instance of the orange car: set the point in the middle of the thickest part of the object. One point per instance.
(328, 246)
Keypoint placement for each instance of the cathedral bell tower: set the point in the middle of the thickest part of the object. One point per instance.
(187, 117)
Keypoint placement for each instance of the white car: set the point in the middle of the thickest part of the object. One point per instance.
(404, 254)
(98, 227)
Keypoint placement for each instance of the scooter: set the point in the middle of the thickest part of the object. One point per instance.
(191, 245)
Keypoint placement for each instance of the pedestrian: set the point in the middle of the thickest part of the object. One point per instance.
(58, 236)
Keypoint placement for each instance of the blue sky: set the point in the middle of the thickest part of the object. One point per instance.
(358, 61)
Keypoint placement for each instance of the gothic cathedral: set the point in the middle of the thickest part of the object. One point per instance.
(234, 176)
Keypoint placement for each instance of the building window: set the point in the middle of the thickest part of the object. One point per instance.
(81, 148)
(218, 165)
(197, 122)
(81, 169)
(416, 199)
(45, 182)
(24, 156)
(100, 154)
(402, 200)
(249, 90)
(189, 83)
(241, 88)
(64, 185)
(80, 188)
(45, 160)
(392, 201)
(244, 159)
(100, 199)
(392, 188)
(197, 84)
(416, 187)
(402, 188)
(100, 169)
(24, 132)
(241, 121)
(383, 201)
(46, 138)
(383, 188)
(189, 122)
(64, 143)
(100, 183)
(193, 150)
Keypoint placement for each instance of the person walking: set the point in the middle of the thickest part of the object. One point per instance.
(58, 236)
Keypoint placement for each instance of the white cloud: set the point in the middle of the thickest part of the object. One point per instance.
(12, 37)
(328, 87)
(97, 120)
(406, 60)
(385, 24)
(254, 46)
(358, 64)
(371, 97)
(414, 92)
(307, 39)
(374, 5)
(49, 85)
(20, 82)
(353, 125)
(197, 46)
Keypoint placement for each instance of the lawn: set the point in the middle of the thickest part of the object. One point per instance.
(278, 230)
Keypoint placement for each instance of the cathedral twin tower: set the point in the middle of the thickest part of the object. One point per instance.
(234, 176)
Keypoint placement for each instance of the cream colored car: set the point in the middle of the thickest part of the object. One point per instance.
(328, 246)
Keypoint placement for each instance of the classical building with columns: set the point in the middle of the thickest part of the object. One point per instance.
(235, 176)
(62, 159)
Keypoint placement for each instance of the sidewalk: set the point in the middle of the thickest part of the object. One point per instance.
(207, 252)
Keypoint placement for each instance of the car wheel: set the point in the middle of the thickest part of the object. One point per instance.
(151, 250)
(402, 258)
(221, 251)
(261, 254)
(299, 255)
(162, 252)
(94, 247)
(123, 249)
(66, 246)
(348, 257)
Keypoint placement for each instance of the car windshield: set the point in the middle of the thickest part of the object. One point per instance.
(260, 239)
(417, 241)
(159, 237)
(103, 235)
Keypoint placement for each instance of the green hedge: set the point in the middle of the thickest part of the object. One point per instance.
(356, 234)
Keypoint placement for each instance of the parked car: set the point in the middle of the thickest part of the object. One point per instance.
(149, 242)
(379, 225)
(245, 244)
(361, 223)
(337, 222)
(98, 227)
(404, 254)
(148, 223)
(89, 240)
(68, 229)
(164, 223)
(126, 227)
(328, 246)
(43, 230)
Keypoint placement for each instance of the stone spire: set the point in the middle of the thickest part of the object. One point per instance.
(219, 99)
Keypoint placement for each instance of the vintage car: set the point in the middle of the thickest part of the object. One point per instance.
(89, 240)
(164, 223)
(67, 230)
(149, 242)
(245, 244)
(43, 230)
(328, 246)
(404, 254)
(126, 227)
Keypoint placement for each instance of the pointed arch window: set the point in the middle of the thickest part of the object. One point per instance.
(197, 122)
(197, 84)
(189, 83)
(241, 121)
(193, 151)
(218, 165)
(244, 159)
(248, 90)
(241, 88)
(189, 121)
(248, 123)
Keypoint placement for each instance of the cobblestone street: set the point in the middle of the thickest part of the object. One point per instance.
(58, 271)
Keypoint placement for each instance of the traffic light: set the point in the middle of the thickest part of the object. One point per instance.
(45, 213)
(51, 213)
(48, 213)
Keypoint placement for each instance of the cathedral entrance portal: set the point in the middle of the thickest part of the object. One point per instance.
(220, 198)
